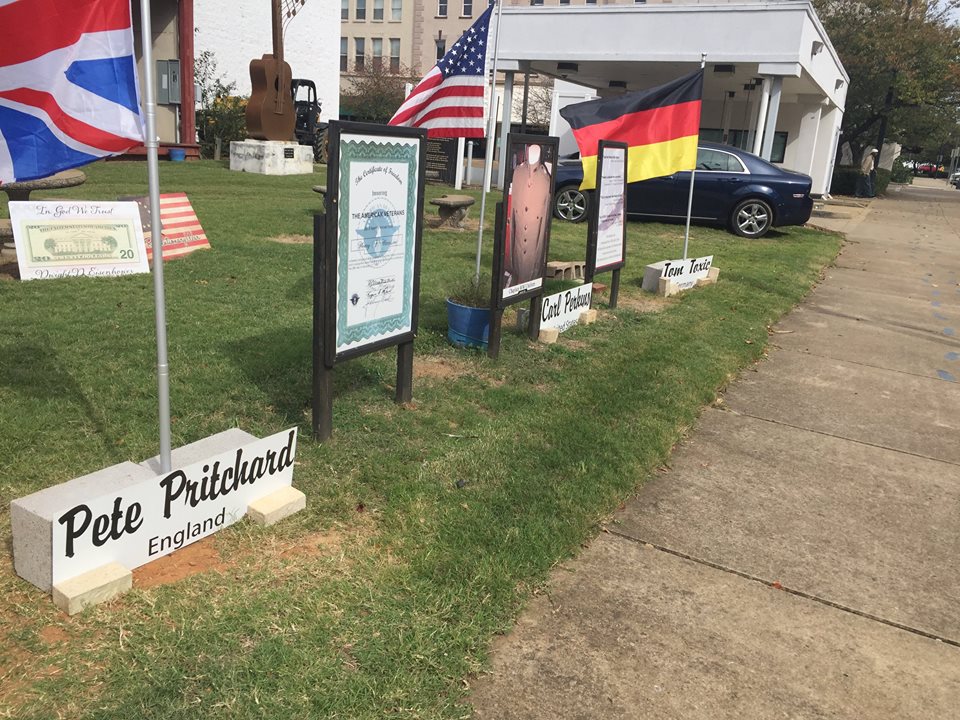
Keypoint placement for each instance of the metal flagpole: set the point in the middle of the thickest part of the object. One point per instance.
(491, 137)
(151, 141)
(693, 174)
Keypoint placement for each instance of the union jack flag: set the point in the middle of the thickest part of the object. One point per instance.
(449, 99)
(68, 85)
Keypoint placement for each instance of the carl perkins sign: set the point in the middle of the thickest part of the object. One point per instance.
(563, 310)
(154, 517)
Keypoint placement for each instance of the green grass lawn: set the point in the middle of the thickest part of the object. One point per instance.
(427, 527)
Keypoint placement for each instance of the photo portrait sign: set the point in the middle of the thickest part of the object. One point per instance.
(59, 238)
(374, 229)
(520, 264)
(607, 237)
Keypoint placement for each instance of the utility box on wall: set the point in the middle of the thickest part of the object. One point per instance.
(168, 82)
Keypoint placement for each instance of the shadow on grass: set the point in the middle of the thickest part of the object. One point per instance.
(280, 364)
(36, 372)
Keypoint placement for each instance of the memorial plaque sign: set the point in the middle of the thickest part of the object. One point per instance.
(441, 160)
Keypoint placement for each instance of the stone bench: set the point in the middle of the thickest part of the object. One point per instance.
(22, 190)
(452, 209)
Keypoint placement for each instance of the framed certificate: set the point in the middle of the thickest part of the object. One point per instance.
(374, 224)
(607, 235)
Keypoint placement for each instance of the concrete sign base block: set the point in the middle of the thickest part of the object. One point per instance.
(666, 288)
(588, 317)
(275, 507)
(91, 588)
(548, 336)
(271, 157)
(711, 278)
(32, 517)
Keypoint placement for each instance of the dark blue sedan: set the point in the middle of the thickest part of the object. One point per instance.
(732, 187)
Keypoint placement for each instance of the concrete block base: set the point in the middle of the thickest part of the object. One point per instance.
(271, 157)
(651, 276)
(711, 278)
(523, 318)
(666, 287)
(32, 517)
(275, 507)
(92, 587)
(587, 317)
(548, 336)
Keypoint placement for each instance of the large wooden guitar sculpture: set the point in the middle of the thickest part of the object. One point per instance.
(270, 111)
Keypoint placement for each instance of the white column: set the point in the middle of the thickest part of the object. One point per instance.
(821, 170)
(727, 112)
(505, 125)
(762, 116)
(772, 113)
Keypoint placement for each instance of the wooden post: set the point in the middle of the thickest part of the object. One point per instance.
(614, 288)
(533, 329)
(493, 338)
(404, 373)
(322, 373)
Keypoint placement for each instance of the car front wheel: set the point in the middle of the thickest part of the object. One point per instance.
(751, 218)
(570, 204)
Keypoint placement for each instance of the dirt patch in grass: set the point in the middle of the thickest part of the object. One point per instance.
(52, 635)
(644, 303)
(292, 239)
(193, 559)
(315, 544)
(434, 368)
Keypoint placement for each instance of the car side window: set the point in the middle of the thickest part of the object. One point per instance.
(716, 161)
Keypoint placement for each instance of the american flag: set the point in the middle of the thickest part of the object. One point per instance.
(179, 225)
(449, 99)
(68, 85)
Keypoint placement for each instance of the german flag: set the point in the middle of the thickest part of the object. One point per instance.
(660, 126)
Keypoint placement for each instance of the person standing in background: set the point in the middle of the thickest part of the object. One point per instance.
(868, 165)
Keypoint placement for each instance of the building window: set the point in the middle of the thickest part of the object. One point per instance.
(441, 8)
(467, 8)
(640, 2)
(361, 10)
(344, 9)
(591, 2)
(378, 9)
(441, 49)
(536, 2)
(396, 10)
(394, 55)
(343, 54)
(358, 58)
(377, 47)
(564, 2)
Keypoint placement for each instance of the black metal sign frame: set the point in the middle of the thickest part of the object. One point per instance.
(594, 222)
(325, 277)
(513, 141)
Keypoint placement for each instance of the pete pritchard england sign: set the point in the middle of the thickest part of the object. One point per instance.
(157, 516)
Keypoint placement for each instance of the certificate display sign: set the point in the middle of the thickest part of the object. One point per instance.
(527, 202)
(366, 262)
(57, 239)
(377, 239)
(608, 232)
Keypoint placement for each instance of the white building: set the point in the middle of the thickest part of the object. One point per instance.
(774, 83)
(238, 31)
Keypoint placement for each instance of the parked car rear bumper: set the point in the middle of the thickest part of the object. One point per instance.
(794, 213)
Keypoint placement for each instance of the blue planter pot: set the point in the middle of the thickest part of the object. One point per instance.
(178, 154)
(467, 327)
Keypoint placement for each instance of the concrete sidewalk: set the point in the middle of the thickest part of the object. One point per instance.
(800, 559)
